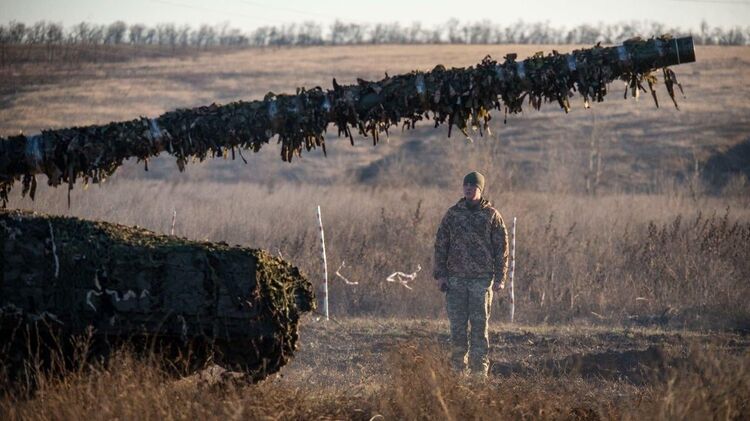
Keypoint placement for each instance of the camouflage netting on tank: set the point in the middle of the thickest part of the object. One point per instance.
(236, 306)
(461, 97)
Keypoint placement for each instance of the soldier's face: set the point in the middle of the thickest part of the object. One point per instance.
(471, 192)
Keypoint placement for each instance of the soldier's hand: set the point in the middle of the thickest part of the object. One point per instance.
(442, 284)
(498, 286)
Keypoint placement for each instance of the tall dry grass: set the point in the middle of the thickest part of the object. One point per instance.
(417, 384)
(667, 259)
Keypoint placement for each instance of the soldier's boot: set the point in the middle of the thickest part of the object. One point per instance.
(459, 360)
(480, 371)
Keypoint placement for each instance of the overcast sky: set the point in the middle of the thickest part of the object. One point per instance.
(249, 14)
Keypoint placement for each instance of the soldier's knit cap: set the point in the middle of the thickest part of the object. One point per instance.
(476, 178)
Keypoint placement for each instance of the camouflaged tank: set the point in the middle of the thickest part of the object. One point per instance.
(61, 277)
(239, 306)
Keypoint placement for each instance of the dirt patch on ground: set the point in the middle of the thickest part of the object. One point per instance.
(357, 350)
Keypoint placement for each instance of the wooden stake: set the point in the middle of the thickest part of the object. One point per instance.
(325, 264)
(512, 270)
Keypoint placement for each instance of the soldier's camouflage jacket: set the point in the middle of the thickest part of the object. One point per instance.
(471, 243)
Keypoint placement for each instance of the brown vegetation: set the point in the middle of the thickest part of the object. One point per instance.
(666, 259)
(629, 216)
(365, 369)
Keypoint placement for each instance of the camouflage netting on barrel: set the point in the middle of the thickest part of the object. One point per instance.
(62, 276)
(458, 97)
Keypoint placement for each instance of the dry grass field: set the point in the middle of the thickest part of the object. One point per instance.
(376, 368)
(633, 277)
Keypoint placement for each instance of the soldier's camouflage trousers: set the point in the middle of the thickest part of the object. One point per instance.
(468, 302)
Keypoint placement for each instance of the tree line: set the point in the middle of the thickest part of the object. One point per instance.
(51, 41)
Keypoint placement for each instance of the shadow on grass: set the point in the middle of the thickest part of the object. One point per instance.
(721, 167)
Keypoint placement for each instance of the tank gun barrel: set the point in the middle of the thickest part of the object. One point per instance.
(461, 97)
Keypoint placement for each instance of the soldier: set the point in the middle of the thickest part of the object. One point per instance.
(471, 251)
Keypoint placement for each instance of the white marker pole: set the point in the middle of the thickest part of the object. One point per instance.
(325, 264)
(512, 270)
(174, 220)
